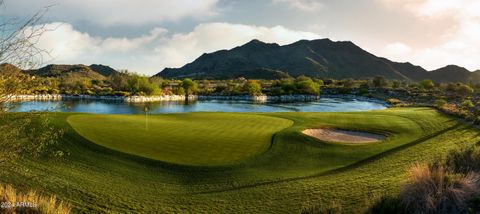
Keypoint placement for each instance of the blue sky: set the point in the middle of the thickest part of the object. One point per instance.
(148, 35)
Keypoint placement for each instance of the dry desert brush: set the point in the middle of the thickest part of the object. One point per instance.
(15, 202)
(464, 160)
(434, 189)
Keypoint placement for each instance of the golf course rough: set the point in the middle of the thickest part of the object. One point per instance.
(296, 171)
(197, 139)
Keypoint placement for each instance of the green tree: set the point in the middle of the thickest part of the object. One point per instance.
(149, 88)
(134, 84)
(253, 88)
(119, 81)
(427, 84)
(380, 82)
(141, 85)
(288, 87)
(158, 81)
(190, 87)
(180, 91)
(464, 90)
(306, 85)
(75, 84)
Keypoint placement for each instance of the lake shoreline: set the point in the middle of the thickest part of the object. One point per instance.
(166, 98)
(145, 99)
(117, 105)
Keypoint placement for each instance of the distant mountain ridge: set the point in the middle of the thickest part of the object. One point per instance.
(94, 71)
(454, 73)
(321, 58)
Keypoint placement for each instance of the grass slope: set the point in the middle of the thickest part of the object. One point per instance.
(204, 139)
(296, 171)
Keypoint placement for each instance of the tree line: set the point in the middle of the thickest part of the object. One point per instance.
(126, 83)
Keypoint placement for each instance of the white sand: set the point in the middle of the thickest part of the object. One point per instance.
(335, 135)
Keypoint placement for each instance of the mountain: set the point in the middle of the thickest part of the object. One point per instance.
(92, 71)
(9, 69)
(103, 69)
(317, 58)
(453, 73)
(321, 58)
(412, 72)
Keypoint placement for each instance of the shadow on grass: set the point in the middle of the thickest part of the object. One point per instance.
(342, 169)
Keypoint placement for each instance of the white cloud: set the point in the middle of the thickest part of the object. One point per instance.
(150, 53)
(126, 44)
(182, 48)
(398, 50)
(62, 40)
(115, 12)
(459, 46)
(304, 5)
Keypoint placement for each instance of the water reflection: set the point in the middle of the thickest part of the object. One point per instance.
(118, 107)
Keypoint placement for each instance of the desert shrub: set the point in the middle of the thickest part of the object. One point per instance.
(464, 160)
(121, 93)
(14, 202)
(440, 103)
(464, 90)
(396, 84)
(474, 205)
(388, 205)
(348, 83)
(328, 81)
(331, 208)
(26, 134)
(380, 82)
(434, 189)
(362, 91)
(427, 84)
(345, 91)
(394, 101)
(320, 82)
(454, 110)
(467, 104)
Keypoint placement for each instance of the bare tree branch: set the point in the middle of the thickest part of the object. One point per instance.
(19, 39)
(18, 46)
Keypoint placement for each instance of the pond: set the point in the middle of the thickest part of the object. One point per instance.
(118, 107)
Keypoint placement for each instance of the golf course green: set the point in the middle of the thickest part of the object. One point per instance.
(235, 162)
(190, 139)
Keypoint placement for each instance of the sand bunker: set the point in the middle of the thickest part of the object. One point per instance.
(335, 135)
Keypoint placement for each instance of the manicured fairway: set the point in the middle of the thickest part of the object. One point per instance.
(204, 139)
(292, 172)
